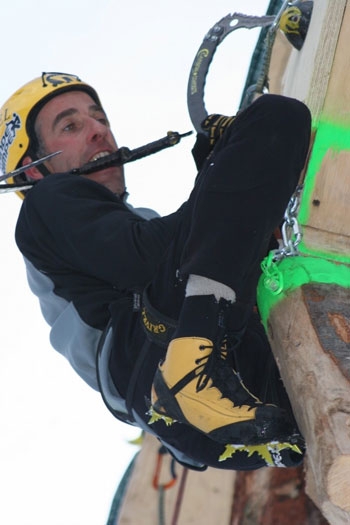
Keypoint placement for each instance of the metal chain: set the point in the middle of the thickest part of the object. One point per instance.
(291, 231)
(291, 238)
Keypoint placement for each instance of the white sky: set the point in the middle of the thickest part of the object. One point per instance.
(61, 452)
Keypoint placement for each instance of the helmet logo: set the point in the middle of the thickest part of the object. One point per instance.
(7, 139)
(56, 79)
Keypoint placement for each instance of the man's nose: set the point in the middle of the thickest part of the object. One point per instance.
(96, 130)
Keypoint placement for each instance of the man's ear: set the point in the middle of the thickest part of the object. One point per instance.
(33, 173)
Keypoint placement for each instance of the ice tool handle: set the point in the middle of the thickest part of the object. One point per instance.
(124, 155)
(118, 158)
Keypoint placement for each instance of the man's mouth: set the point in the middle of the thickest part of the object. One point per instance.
(100, 155)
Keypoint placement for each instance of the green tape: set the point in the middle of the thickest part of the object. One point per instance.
(297, 271)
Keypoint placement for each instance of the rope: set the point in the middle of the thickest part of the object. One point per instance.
(161, 506)
(161, 488)
(179, 498)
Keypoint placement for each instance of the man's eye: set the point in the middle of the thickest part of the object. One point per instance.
(69, 127)
(103, 120)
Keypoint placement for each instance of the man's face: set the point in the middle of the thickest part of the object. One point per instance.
(74, 124)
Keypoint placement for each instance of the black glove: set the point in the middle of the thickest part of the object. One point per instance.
(214, 126)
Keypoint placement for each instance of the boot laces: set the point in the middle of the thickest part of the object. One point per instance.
(216, 369)
(208, 364)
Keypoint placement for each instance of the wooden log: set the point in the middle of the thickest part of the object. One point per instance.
(309, 333)
(273, 496)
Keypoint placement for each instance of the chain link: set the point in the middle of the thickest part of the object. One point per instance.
(291, 238)
(291, 230)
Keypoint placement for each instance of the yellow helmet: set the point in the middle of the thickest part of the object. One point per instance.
(18, 114)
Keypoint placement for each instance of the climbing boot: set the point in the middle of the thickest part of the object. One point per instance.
(196, 385)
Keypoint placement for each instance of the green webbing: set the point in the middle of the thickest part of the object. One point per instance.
(294, 272)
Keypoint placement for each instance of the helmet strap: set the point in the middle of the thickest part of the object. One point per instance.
(40, 167)
(43, 170)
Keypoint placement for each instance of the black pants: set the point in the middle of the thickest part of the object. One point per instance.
(238, 200)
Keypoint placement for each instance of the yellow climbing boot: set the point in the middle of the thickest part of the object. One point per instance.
(195, 385)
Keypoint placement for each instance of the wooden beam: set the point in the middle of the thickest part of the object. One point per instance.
(307, 73)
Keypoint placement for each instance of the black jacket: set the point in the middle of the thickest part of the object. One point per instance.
(84, 249)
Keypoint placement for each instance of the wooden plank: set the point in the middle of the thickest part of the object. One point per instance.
(332, 243)
(332, 188)
(307, 73)
(330, 210)
(141, 501)
(319, 75)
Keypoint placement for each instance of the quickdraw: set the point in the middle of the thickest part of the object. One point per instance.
(156, 485)
(162, 487)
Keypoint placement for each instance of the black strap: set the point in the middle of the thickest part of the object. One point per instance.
(158, 327)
